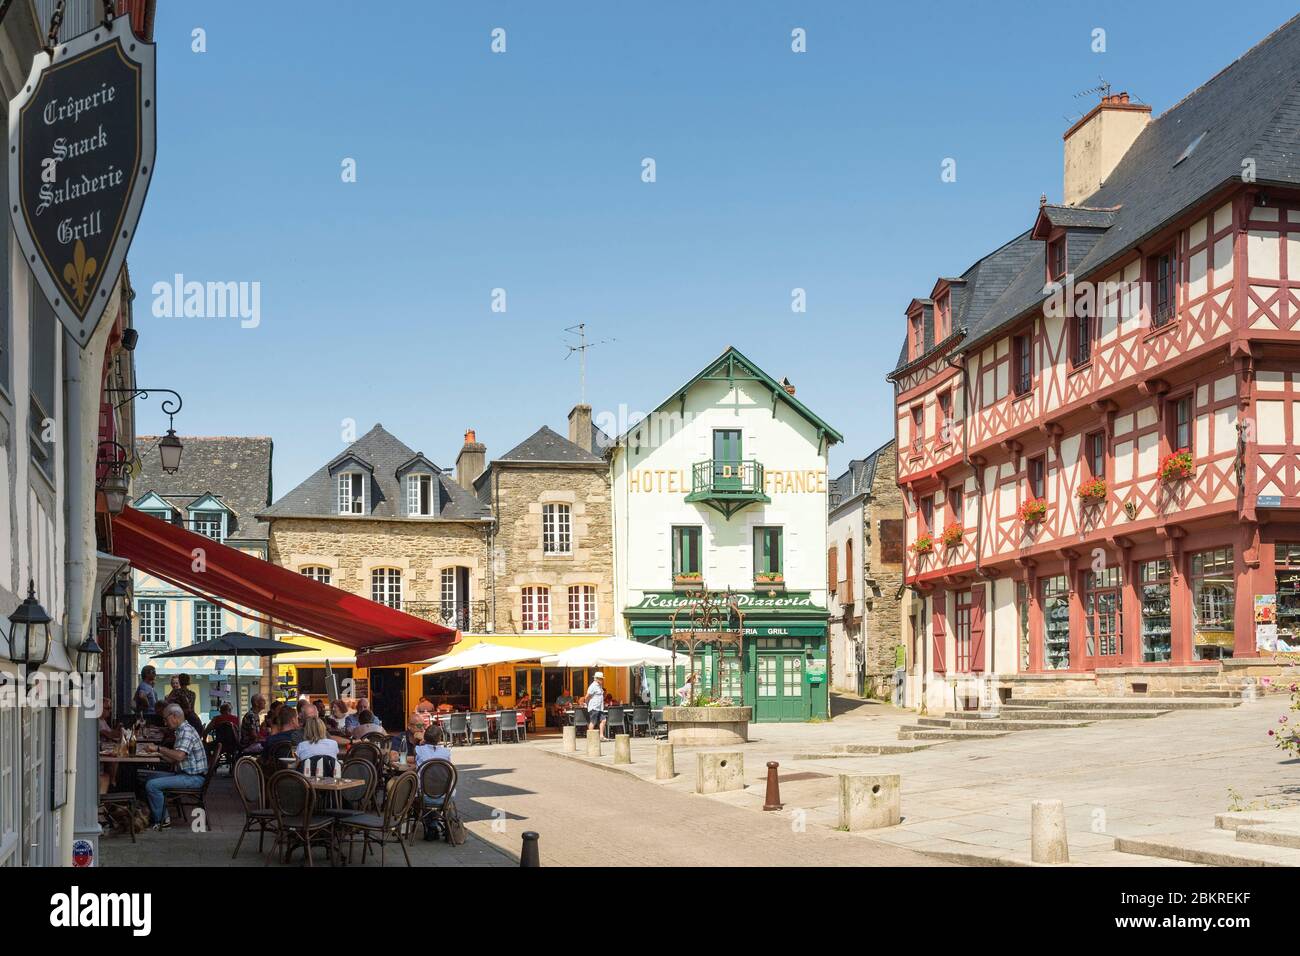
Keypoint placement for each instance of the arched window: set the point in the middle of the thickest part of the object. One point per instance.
(317, 572)
(386, 587)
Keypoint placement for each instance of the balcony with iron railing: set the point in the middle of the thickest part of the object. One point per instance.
(467, 616)
(727, 486)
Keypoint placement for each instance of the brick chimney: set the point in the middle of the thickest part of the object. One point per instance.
(580, 426)
(1095, 145)
(471, 460)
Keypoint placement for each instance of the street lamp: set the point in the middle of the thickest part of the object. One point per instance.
(170, 448)
(29, 632)
(114, 484)
(89, 654)
(115, 604)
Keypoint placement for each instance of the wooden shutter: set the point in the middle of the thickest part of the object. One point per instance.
(850, 572)
(832, 570)
(977, 628)
(893, 533)
(939, 607)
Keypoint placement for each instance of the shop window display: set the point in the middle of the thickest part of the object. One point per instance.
(1056, 623)
(1213, 593)
(1157, 629)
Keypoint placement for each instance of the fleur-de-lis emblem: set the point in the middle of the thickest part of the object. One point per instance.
(79, 272)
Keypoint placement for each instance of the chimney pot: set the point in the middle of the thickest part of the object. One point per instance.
(471, 460)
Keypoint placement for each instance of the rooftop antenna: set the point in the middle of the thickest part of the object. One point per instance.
(580, 330)
(1102, 87)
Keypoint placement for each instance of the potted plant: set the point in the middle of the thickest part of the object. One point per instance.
(1177, 466)
(1092, 492)
(924, 544)
(1033, 511)
(769, 577)
(952, 535)
(688, 579)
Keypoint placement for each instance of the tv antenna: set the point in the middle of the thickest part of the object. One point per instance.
(1103, 87)
(580, 330)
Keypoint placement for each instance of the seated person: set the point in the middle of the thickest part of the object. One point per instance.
(564, 701)
(425, 751)
(286, 729)
(338, 713)
(315, 743)
(224, 716)
(191, 762)
(445, 708)
(493, 704)
(107, 735)
(366, 724)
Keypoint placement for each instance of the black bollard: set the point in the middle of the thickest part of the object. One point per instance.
(528, 854)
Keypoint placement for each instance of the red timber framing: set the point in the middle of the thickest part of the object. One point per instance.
(1228, 349)
(229, 578)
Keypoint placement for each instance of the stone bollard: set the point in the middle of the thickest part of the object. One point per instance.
(773, 799)
(664, 769)
(719, 771)
(570, 739)
(593, 743)
(622, 748)
(1047, 831)
(869, 801)
(528, 852)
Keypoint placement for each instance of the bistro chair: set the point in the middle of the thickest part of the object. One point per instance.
(227, 736)
(614, 721)
(580, 721)
(196, 797)
(251, 787)
(125, 804)
(352, 802)
(376, 738)
(478, 724)
(641, 719)
(658, 726)
(271, 758)
(507, 723)
(296, 821)
(437, 783)
(386, 828)
(457, 726)
(308, 766)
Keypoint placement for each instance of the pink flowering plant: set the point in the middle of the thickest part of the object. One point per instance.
(1285, 735)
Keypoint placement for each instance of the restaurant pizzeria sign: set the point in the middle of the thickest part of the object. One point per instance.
(81, 151)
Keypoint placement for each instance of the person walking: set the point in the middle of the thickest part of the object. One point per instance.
(596, 702)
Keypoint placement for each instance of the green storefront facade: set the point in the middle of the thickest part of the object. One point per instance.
(779, 669)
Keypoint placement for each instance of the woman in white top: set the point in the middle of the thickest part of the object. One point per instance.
(315, 743)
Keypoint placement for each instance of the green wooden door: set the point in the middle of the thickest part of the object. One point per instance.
(726, 459)
(781, 691)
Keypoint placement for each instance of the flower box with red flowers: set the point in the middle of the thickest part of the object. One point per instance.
(1092, 492)
(952, 535)
(1033, 511)
(923, 545)
(1177, 466)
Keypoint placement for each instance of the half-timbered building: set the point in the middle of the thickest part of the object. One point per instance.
(1096, 422)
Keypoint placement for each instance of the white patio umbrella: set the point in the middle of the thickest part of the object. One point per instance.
(611, 652)
(479, 655)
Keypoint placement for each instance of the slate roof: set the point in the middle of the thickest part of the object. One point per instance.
(859, 477)
(1251, 109)
(317, 496)
(236, 470)
(544, 446)
(1079, 217)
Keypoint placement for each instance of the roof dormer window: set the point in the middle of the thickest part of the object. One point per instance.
(915, 336)
(352, 493)
(419, 495)
(1056, 262)
(942, 317)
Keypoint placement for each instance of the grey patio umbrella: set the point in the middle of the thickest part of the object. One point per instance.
(236, 645)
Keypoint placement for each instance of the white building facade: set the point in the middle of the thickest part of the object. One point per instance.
(723, 488)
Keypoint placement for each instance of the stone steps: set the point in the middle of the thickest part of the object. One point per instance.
(1210, 847)
(1091, 716)
(1126, 703)
(920, 732)
(1241, 838)
(998, 723)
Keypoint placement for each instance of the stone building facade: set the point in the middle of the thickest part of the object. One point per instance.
(864, 574)
(552, 544)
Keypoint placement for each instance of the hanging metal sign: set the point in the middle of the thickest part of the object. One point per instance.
(81, 151)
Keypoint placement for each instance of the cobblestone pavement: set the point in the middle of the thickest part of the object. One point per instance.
(970, 800)
(588, 817)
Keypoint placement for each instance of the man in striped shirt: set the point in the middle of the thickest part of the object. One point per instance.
(190, 759)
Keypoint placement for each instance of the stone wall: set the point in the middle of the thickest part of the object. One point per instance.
(352, 547)
(519, 492)
(882, 620)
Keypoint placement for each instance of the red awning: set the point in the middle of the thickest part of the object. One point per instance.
(379, 634)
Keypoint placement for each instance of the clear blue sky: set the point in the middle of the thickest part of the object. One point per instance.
(522, 171)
